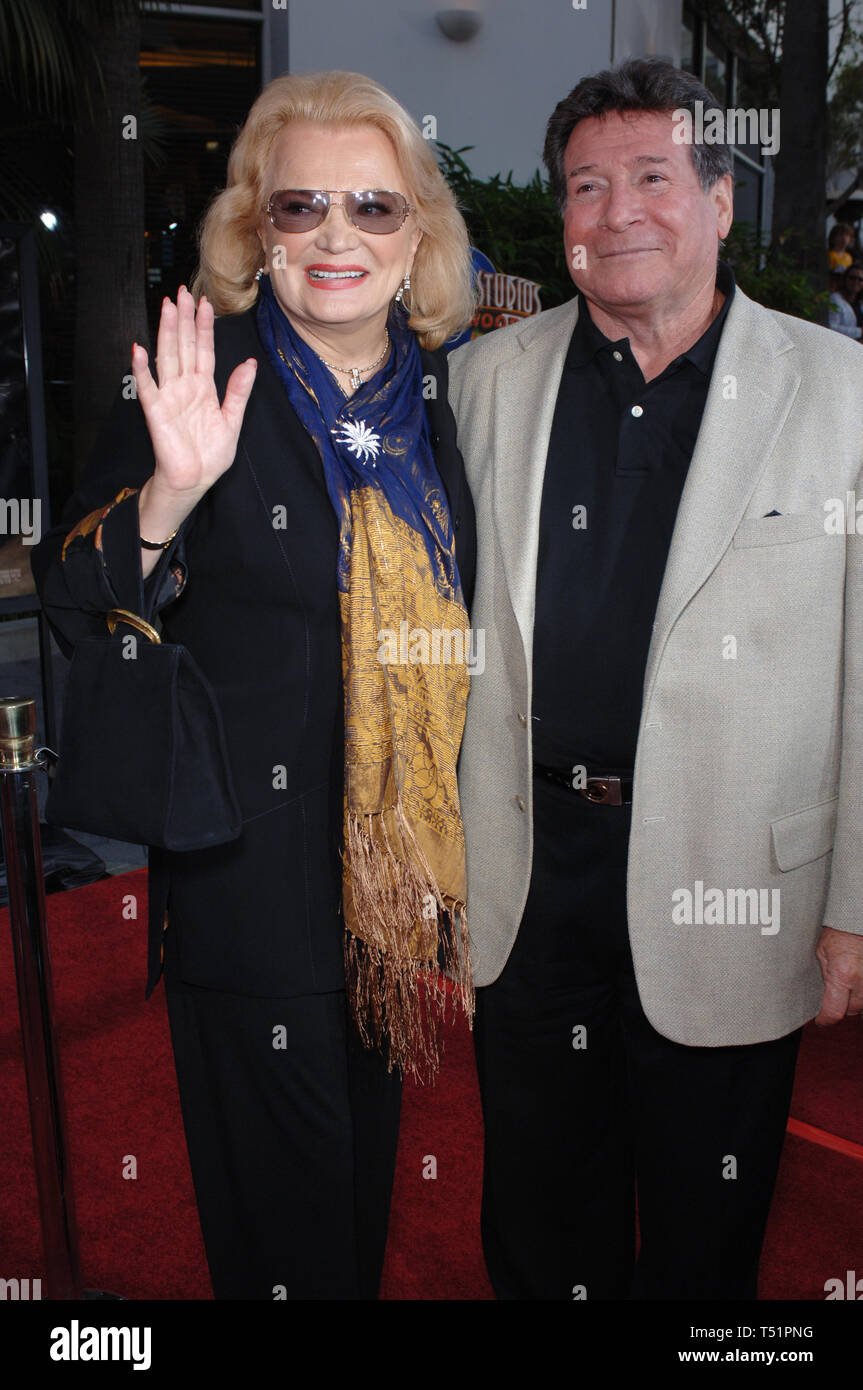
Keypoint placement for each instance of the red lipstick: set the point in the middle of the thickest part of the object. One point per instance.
(325, 276)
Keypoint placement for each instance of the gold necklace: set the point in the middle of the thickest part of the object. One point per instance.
(355, 372)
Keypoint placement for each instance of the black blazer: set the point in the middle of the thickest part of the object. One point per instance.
(257, 605)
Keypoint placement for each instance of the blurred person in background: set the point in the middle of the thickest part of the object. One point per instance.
(840, 244)
(842, 313)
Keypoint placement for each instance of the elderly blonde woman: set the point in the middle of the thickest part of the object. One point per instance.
(288, 496)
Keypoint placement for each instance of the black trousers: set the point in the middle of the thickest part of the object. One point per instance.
(584, 1101)
(291, 1127)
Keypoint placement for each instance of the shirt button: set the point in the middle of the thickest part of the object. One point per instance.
(435, 440)
(618, 356)
(519, 801)
(637, 411)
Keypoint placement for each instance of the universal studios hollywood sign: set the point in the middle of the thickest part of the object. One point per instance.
(501, 298)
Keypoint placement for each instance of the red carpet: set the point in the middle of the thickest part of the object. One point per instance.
(139, 1235)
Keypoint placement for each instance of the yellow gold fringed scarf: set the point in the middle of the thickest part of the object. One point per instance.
(405, 650)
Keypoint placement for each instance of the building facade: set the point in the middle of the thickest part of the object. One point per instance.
(482, 74)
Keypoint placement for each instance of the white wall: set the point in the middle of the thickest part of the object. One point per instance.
(497, 90)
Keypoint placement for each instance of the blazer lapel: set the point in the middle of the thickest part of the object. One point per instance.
(743, 416)
(274, 429)
(525, 396)
(447, 460)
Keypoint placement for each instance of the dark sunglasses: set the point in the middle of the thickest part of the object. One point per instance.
(302, 209)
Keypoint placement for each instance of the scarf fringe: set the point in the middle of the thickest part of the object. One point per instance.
(393, 968)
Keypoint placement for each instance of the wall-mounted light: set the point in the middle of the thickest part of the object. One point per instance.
(459, 25)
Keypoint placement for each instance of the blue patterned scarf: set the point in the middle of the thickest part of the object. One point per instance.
(377, 437)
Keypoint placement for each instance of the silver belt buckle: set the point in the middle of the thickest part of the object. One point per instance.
(604, 791)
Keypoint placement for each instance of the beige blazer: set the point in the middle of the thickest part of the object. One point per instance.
(749, 762)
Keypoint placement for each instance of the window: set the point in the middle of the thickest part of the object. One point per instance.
(200, 76)
(716, 68)
(747, 193)
(724, 73)
(690, 57)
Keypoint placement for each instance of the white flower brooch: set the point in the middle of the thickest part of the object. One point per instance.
(362, 442)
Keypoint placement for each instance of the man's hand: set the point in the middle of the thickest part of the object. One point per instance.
(840, 955)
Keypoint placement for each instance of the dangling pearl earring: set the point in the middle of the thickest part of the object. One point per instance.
(405, 285)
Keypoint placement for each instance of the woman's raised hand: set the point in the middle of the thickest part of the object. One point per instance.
(194, 437)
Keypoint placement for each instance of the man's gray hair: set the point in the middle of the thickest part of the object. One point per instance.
(639, 84)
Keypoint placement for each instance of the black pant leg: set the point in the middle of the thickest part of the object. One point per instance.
(292, 1147)
(558, 1180)
(375, 1101)
(710, 1123)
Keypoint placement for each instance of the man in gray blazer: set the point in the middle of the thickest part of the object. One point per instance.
(662, 771)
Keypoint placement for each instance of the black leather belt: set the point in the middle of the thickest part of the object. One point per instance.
(602, 788)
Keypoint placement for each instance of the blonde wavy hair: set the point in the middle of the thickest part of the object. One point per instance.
(440, 300)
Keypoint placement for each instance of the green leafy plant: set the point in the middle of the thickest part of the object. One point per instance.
(771, 275)
(518, 226)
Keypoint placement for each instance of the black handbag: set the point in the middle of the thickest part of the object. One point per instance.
(143, 756)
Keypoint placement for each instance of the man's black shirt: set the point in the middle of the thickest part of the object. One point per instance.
(619, 449)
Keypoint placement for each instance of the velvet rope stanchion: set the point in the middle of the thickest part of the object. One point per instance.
(19, 811)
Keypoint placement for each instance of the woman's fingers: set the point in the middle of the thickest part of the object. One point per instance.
(145, 387)
(167, 358)
(237, 393)
(185, 343)
(183, 408)
(186, 347)
(205, 352)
